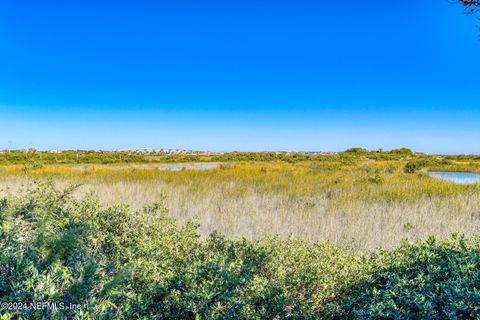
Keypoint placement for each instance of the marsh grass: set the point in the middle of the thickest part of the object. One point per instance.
(362, 204)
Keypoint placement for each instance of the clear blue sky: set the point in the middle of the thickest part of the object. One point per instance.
(239, 75)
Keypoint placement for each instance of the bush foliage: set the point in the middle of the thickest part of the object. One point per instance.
(37, 158)
(118, 263)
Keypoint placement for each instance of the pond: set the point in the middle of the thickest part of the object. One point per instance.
(194, 166)
(457, 177)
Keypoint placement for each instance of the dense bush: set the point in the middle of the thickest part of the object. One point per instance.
(402, 151)
(357, 150)
(416, 164)
(428, 280)
(123, 264)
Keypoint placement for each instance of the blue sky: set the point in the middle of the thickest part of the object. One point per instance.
(239, 75)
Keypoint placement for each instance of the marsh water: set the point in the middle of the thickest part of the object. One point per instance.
(194, 166)
(457, 177)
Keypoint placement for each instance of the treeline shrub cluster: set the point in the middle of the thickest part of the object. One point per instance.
(108, 157)
(417, 164)
(123, 264)
(38, 158)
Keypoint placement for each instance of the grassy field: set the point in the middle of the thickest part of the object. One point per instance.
(113, 262)
(261, 236)
(357, 201)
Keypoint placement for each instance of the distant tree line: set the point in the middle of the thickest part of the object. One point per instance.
(35, 158)
(399, 151)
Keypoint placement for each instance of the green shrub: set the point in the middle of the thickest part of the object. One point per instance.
(402, 151)
(427, 280)
(415, 165)
(357, 150)
(376, 179)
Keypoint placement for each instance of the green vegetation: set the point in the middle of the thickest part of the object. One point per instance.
(34, 157)
(119, 263)
(357, 150)
(402, 151)
(261, 236)
(427, 280)
(360, 201)
(38, 158)
(415, 165)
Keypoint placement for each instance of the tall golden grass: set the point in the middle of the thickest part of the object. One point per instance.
(360, 204)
